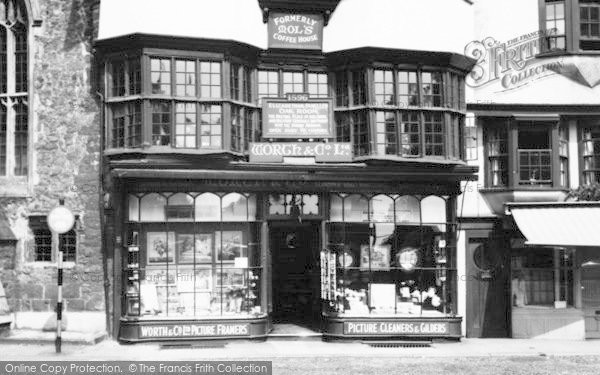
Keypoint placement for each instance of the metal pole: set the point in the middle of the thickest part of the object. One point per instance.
(59, 300)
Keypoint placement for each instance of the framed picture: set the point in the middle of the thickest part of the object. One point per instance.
(204, 248)
(230, 277)
(160, 247)
(203, 279)
(378, 257)
(190, 245)
(229, 245)
(185, 248)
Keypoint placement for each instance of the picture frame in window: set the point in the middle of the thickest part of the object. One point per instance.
(160, 247)
(230, 277)
(229, 245)
(185, 247)
(375, 257)
(203, 279)
(194, 248)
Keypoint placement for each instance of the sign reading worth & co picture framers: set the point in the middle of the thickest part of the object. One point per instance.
(194, 330)
(311, 118)
(295, 31)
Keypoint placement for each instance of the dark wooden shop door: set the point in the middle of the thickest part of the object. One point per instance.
(295, 251)
(487, 287)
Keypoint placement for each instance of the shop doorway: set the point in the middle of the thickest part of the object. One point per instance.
(296, 273)
(487, 286)
(590, 292)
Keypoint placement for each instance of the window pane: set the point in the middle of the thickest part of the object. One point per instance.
(382, 209)
(134, 208)
(210, 126)
(386, 133)
(153, 207)
(410, 133)
(356, 208)
(160, 76)
(433, 211)
(361, 133)
(336, 208)
(3, 62)
(317, 85)
(21, 138)
(161, 123)
(235, 207)
(210, 79)
(185, 125)
(21, 70)
(3, 136)
(185, 76)
(208, 207)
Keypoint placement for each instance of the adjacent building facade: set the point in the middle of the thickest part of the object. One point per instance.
(49, 150)
(530, 262)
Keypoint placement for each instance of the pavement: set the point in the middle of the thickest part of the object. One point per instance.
(286, 348)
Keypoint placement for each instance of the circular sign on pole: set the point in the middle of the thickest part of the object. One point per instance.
(61, 220)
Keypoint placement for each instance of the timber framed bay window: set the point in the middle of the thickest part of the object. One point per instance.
(14, 89)
(192, 254)
(570, 25)
(525, 153)
(388, 255)
(409, 113)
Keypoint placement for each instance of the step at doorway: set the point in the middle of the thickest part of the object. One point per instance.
(293, 331)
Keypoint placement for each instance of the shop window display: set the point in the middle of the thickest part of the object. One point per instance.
(199, 257)
(394, 263)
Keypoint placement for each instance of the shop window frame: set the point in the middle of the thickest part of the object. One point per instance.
(449, 252)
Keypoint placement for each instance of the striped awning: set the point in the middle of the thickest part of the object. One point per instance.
(558, 224)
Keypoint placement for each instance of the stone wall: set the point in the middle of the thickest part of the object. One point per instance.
(66, 161)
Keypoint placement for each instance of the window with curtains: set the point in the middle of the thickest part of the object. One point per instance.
(14, 89)
(391, 256)
(542, 276)
(193, 254)
(521, 153)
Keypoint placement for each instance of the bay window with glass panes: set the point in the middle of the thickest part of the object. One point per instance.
(388, 256)
(407, 113)
(192, 255)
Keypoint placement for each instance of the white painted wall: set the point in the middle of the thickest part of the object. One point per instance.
(432, 25)
(439, 25)
(239, 20)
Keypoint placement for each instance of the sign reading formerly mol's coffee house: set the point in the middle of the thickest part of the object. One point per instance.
(299, 31)
(312, 118)
(195, 330)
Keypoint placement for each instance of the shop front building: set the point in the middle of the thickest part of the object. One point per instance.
(530, 250)
(249, 187)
